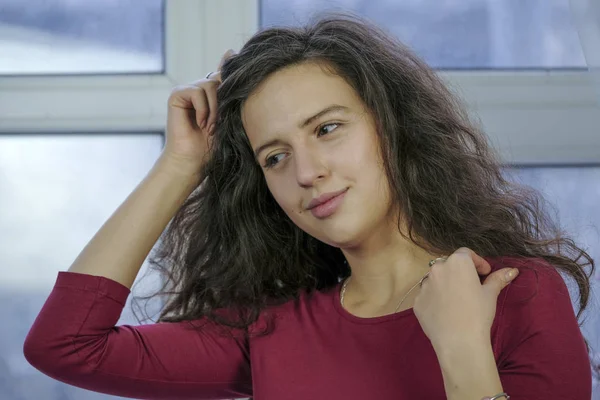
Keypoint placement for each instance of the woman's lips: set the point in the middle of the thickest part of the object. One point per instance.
(329, 207)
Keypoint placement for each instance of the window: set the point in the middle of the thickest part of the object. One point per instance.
(78, 37)
(463, 34)
(58, 190)
(574, 193)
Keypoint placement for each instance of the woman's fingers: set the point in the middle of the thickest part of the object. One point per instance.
(198, 99)
(211, 97)
(481, 265)
(210, 92)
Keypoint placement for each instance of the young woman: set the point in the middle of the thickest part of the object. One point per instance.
(338, 230)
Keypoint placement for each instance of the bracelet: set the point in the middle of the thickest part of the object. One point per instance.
(507, 397)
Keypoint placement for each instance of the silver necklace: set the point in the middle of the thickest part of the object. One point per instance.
(397, 307)
(443, 258)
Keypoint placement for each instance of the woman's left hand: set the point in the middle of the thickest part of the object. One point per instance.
(453, 307)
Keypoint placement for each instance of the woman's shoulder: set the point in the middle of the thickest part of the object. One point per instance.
(537, 303)
(536, 277)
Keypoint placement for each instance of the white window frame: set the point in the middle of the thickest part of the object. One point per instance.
(531, 117)
(197, 33)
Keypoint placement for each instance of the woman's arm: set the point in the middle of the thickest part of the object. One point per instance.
(539, 349)
(470, 371)
(74, 340)
(536, 352)
(118, 250)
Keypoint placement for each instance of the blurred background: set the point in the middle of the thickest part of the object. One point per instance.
(83, 90)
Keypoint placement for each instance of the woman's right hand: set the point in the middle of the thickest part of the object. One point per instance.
(191, 117)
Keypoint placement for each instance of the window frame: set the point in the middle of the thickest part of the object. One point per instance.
(129, 102)
(532, 117)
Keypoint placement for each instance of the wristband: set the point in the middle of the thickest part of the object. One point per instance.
(507, 397)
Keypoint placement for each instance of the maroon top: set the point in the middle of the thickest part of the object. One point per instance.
(318, 350)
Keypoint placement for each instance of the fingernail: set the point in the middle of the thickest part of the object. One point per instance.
(211, 127)
(512, 273)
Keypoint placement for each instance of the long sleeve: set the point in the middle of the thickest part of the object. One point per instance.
(543, 353)
(74, 340)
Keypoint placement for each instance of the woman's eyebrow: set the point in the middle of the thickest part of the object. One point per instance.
(326, 110)
(270, 143)
(329, 109)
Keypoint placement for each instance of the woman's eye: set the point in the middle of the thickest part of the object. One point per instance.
(327, 128)
(272, 160)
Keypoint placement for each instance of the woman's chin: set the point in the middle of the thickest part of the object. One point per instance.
(342, 233)
(342, 240)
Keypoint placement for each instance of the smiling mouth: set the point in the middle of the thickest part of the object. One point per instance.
(324, 198)
(329, 207)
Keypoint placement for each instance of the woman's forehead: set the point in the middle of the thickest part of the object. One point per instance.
(291, 95)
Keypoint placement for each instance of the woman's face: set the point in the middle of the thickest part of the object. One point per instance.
(313, 136)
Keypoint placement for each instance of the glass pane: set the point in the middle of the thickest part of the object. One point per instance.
(57, 191)
(574, 192)
(460, 34)
(81, 36)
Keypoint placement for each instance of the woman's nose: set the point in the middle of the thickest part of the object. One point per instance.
(310, 167)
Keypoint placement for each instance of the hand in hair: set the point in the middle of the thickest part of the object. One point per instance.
(191, 120)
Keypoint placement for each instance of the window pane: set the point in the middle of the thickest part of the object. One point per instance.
(574, 192)
(81, 36)
(469, 34)
(57, 191)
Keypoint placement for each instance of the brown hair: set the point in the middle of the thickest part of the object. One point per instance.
(232, 248)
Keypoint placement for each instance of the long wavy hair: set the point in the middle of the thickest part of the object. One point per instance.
(231, 252)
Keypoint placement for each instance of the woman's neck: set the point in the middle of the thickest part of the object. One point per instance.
(383, 272)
